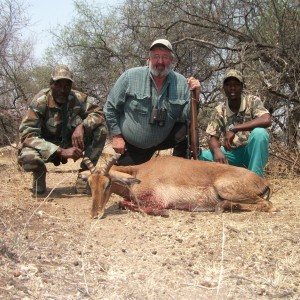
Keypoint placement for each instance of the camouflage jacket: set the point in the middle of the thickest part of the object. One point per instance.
(251, 108)
(47, 125)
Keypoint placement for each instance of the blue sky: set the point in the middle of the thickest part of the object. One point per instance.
(45, 15)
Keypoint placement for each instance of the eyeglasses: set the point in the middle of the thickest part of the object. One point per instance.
(162, 57)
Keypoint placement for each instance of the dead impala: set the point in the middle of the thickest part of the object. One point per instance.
(169, 182)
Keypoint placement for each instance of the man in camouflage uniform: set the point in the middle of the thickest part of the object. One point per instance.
(241, 121)
(60, 124)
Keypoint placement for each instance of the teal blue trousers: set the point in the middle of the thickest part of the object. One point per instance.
(252, 156)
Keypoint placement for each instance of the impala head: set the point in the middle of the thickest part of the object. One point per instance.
(100, 182)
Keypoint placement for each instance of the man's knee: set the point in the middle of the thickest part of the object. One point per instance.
(29, 159)
(259, 134)
(180, 149)
(100, 133)
(180, 133)
(205, 155)
(95, 138)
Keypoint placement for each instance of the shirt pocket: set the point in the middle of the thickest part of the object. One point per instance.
(54, 124)
(175, 108)
(139, 104)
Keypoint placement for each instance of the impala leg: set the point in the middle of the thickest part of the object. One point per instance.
(260, 205)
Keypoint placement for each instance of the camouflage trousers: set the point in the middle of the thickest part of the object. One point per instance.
(31, 160)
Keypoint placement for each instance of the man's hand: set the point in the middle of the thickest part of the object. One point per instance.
(228, 141)
(78, 137)
(194, 85)
(118, 144)
(74, 153)
(219, 156)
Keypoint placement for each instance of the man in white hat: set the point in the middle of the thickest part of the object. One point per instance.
(148, 107)
(60, 124)
(241, 120)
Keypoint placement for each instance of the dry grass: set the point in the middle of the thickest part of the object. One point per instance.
(51, 249)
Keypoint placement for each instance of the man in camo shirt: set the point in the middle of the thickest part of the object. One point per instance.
(60, 124)
(241, 121)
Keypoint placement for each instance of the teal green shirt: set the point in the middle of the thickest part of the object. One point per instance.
(130, 102)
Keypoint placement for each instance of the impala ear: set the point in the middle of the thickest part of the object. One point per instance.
(125, 181)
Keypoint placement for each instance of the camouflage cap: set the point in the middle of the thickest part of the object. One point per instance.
(62, 72)
(162, 42)
(234, 73)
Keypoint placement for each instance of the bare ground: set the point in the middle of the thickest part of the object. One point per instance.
(50, 248)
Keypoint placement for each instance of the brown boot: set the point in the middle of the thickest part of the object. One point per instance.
(39, 181)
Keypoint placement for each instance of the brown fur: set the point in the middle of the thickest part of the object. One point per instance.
(169, 182)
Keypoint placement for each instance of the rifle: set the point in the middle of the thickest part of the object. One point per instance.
(193, 132)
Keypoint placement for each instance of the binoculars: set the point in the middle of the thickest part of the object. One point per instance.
(158, 116)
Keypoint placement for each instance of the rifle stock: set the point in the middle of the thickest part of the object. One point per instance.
(193, 130)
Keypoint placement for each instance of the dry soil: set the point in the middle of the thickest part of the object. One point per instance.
(50, 248)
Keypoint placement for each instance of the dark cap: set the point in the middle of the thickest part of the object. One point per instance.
(235, 74)
(62, 72)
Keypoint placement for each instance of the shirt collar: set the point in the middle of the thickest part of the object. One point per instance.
(52, 102)
(166, 83)
(168, 78)
(230, 113)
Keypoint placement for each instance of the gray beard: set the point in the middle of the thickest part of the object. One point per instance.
(156, 73)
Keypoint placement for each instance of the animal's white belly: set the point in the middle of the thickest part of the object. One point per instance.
(178, 197)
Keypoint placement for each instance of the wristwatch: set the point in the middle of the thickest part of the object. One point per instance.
(232, 128)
